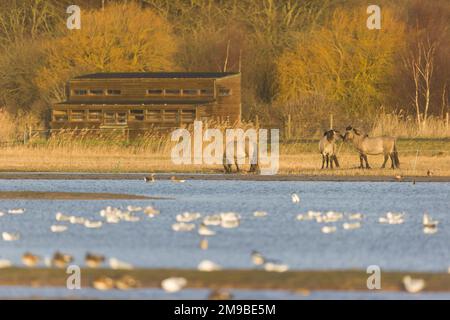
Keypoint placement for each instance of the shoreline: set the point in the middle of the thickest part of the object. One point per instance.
(218, 177)
(341, 280)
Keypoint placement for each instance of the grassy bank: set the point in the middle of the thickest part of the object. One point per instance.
(417, 157)
(230, 279)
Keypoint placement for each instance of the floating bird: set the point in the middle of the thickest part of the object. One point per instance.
(295, 198)
(150, 179)
(61, 260)
(16, 211)
(257, 258)
(428, 222)
(398, 178)
(328, 229)
(229, 220)
(103, 283)
(355, 216)
(273, 266)
(351, 226)
(188, 216)
(205, 231)
(181, 226)
(116, 264)
(30, 260)
(204, 244)
(392, 218)
(92, 224)
(93, 260)
(126, 282)
(260, 213)
(413, 285)
(2, 214)
(7, 236)
(61, 217)
(131, 218)
(134, 208)
(5, 263)
(207, 266)
(173, 284)
(174, 179)
(150, 211)
(220, 294)
(213, 220)
(76, 220)
(58, 228)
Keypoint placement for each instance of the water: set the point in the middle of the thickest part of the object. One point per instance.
(152, 243)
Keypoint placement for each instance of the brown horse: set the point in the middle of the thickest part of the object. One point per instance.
(373, 146)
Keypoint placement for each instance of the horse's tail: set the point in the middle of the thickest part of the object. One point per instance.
(395, 154)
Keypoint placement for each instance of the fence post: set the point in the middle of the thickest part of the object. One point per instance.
(288, 127)
(257, 121)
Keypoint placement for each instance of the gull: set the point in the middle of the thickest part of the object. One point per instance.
(151, 179)
(213, 220)
(16, 211)
(330, 216)
(134, 208)
(61, 217)
(207, 266)
(228, 224)
(188, 216)
(260, 213)
(93, 224)
(351, 226)
(295, 198)
(58, 228)
(5, 263)
(76, 220)
(355, 216)
(30, 260)
(2, 214)
(116, 264)
(174, 179)
(392, 218)
(229, 220)
(61, 260)
(126, 282)
(150, 211)
(103, 283)
(328, 229)
(273, 266)
(173, 284)
(257, 258)
(413, 285)
(205, 231)
(204, 244)
(429, 222)
(93, 260)
(7, 236)
(181, 226)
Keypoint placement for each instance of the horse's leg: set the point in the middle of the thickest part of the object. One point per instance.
(392, 160)
(386, 156)
(328, 160)
(337, 162)
(361, 157)
(331, 161)
(323, 161)
(367, 162)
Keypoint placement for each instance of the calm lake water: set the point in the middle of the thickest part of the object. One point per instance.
(300, 244)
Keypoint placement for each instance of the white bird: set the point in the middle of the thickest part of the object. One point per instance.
(2, 214)
(150, 211)
(328, 229)
(181, 226)
(257, 258)
(213, 220)
(188, 216)
(116, 264)
(413, 285)
(61, 217)
(58, 228)
(5, 263)
(205, 231)
(76, 220)
(229, 224)
(275, 267)
(355, 216)
(173, 284)
(207, 265)
(92, 224)
(429, 222)
(295, 198)
(392, 218)
(103, 283)
(16, 211)
(430, 230)
(230, 216)
(134, 208)
(260, 213)
(351, 226)
(7, 236)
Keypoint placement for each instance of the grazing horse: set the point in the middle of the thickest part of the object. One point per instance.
(373, 146)
(327, 148)
(240, 156)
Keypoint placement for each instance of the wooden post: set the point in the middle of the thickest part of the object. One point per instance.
(288, 127)
(257, 121)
